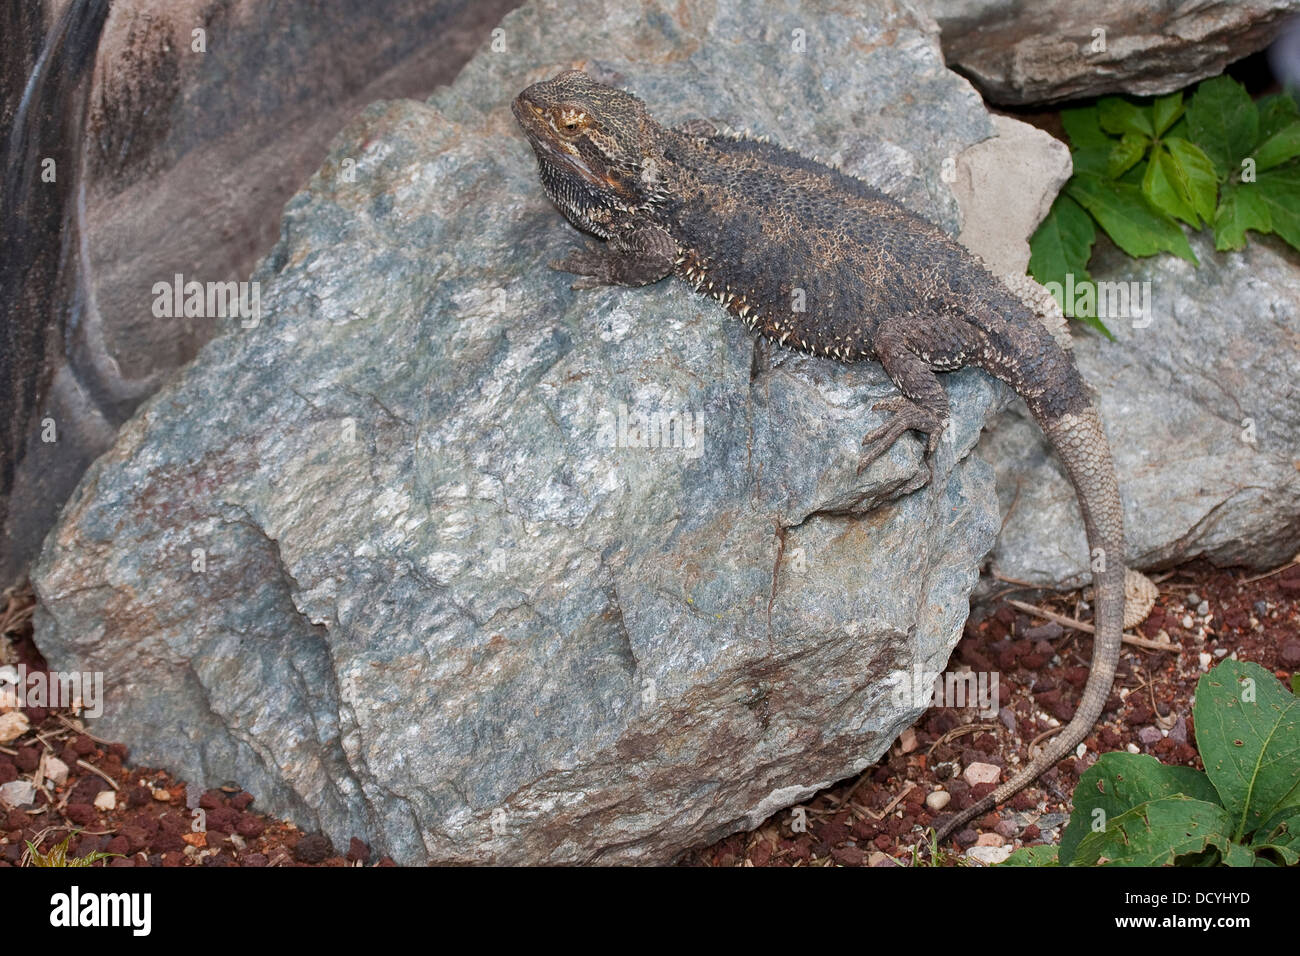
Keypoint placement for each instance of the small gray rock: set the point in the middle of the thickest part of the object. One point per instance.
(1149, 736)
(18, 793)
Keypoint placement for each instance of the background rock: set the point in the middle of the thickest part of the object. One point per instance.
(167, 160)
(1202, 409)
(1020, 53)
(439, 607)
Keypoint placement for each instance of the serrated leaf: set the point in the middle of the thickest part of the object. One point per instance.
(1275, 112)
(1043, 855)
(1119, 116)
(1160, 184)
(1124, 154)
(1280, 833)
(1062, 243)
(1223, 121)
(1250, 747)
(1195, 175)
(1278, 148)
(1083, 126)
(1129, 219)
(1166, 110)
(1157, 832)
(1120, 781)
(1279, 189)
(1241, 207)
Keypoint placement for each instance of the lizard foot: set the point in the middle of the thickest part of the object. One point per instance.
(907, 416)
(594, 267)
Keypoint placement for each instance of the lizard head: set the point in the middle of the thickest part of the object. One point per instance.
(598, 149)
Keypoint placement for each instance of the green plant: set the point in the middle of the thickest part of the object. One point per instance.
(1218, 159)
(1244, 810)
(58, 855)
(930, 853)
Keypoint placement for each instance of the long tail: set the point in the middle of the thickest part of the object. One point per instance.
(1081, 444)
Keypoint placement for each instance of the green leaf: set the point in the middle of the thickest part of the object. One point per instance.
(1119, 116)
(1032, 856)
(1093, 159)
(1222, 120)
(1195, 175)
(1124, 154)
(1278, 148)
(1062, 243)
(1089, 318)
(1248, 733)
(1129, 219)
(1161, 185)
(1295, 683)
(1241, 207)
(1275, 112)
(1279, 190)
(1120, 781)
(1281, 834)
(1083, 126)
(1157, 832)
(1165, 110)
(1238, 855)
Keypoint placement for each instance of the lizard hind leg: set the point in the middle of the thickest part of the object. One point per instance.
(923, 406)
(907, 416)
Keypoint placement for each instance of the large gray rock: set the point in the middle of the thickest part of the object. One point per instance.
(167, 159)
(1047, 51)
(448, 601)
(1202, 410)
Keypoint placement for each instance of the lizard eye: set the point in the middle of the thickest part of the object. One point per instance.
(570, 122)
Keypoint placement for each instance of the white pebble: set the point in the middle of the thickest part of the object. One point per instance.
(938, 799)
(56, 771)
(978, 773)
(106, 800)
(988, 855)
(13, 725)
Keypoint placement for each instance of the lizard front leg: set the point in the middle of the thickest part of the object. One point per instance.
(637, 255)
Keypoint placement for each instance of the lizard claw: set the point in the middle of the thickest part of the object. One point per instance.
(907, 416)
(590, 263)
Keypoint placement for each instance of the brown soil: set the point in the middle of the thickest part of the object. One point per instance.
(873, 820)
(876, 820)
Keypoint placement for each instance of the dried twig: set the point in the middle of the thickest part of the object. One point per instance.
(98, 773)
(1268, 574)
(1070, 622)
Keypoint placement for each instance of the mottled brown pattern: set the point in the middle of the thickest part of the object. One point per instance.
(819, 261)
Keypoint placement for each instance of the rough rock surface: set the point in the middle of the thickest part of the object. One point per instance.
(168, 159)
(397, 560)
(1048, 51)
(1202, 409)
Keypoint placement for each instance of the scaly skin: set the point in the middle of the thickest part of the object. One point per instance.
(816, 260)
